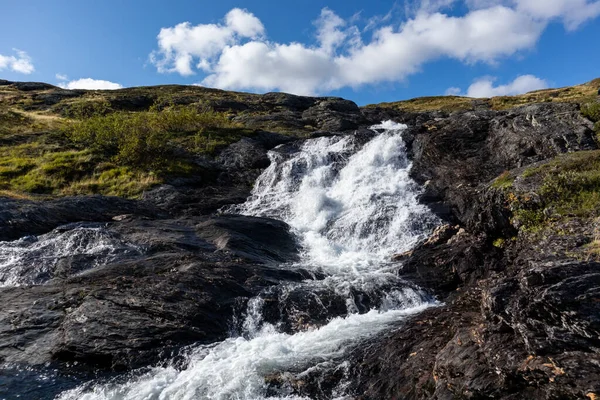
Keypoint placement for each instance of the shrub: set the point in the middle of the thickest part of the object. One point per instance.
(570, 187)
(147, 139)
(87, 109)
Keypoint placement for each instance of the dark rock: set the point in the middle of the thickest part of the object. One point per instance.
(56, 96)
(21, 217)
(125, 315)
(131, 103)
(256, 239)
(31, 86)
(457, 154)
(334, 115)
(275, 100)
(227, 105)
(192, 276)
(245, 154)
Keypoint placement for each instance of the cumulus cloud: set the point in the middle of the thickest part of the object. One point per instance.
(91, 84)
(484, 87)
(236, 53)
(180, 45)
(21, 62)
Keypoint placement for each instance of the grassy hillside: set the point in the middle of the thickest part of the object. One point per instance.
(581, 94)
(63, 142)
(56, 142)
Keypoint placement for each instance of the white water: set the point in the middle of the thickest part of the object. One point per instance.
(351, 209)
(34, 259)
(352, 205)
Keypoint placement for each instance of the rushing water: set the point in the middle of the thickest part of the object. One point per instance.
(352, 204)
(66, 250)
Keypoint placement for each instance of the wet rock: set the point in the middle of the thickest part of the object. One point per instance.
(127, 314)
(183, 287)
(256, 239)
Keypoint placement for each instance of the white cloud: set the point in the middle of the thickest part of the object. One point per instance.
(91, 84)
(20, 63)
(236, 54)
(572, 12)
(180, 45)
(484, 87)
(61, 77)
(453, 91)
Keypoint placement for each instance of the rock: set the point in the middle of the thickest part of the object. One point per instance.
(245, 154)
(334, 115)
(484, 144)
(127, 315)
(31, 86)
(56, 96)
(184, 288)
(131, 103)
(23, 217)
(256, 239)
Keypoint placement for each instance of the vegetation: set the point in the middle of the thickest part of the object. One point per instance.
(91, 147)
(580, 94)
(504, 181)
(151, 139)
(569, 186)
(57, 142)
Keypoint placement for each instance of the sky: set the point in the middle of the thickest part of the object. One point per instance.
(367, 51)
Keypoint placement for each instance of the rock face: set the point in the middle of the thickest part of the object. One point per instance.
(520, 318)
(183, 288)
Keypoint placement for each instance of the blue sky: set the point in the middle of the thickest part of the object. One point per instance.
(366, 51)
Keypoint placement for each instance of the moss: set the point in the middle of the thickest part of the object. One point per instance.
(433, 103)
(504, 181)
(580, 94)
(499, 243)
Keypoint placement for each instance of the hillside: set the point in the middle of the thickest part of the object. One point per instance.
(57, 142)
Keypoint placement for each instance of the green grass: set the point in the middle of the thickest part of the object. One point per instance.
(151, 139)
(569, 186)
(504, 181)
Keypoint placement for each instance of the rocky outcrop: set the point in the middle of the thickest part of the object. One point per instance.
(520, 314)
(20, 218)
(184, 287)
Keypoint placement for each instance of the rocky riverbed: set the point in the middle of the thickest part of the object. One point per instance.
(508, 283)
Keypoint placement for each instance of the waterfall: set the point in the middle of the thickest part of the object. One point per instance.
(352, 204)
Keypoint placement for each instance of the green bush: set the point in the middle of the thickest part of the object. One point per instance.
(87, 109)
(144, 140)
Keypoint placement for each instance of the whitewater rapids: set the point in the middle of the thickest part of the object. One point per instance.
(352, 205)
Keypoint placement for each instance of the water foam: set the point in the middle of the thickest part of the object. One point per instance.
(34, 259)
(235, 368)
(352, 207)
(352, 204)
